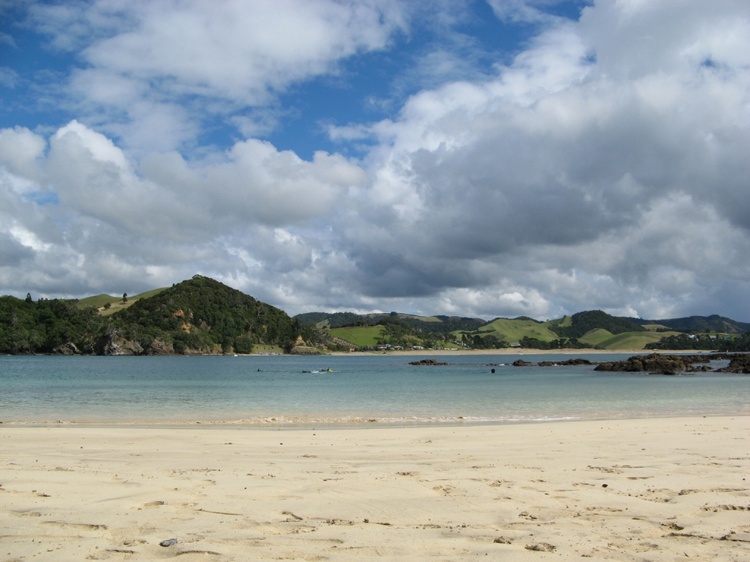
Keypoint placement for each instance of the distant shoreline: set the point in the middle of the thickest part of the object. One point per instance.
(518, 351)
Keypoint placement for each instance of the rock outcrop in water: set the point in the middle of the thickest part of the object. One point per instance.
(428, 362)
(576, 361)
(738, 364)
(658, 364)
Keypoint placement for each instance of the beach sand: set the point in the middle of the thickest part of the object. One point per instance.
(656, 489)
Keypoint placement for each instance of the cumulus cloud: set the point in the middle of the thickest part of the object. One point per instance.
(569, 151)
(164, 213)
(605, 166)
(149, 69)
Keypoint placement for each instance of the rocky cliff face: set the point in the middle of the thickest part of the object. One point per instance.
(116, 344)
(68, 348)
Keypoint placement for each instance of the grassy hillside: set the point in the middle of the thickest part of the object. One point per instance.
(361, 336)
(116, 304)
(597, 337)
(425, 324)
(514, 330)
(705, 324)
(602, 339)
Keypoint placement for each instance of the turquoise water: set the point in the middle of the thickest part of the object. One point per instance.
(381, 389)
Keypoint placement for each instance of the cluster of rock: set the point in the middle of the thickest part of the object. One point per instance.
(739, 363)
(659, 364)
(114, 343)
(674, 364)
(576, 361)
(428, 362)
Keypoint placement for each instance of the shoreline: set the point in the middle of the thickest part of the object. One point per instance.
(288, 423)
(410, 352)
(520, 351)
(604, 489)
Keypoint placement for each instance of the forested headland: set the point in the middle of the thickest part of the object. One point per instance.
(203, 316)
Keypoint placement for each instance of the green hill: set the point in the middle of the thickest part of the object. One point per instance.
(602, 339)
(512, 331)
(107, 304)
(424, 324)
(197, 316)
(582, 323)
(597, 337)
(697, 324)
(360, 336)
(202, 315)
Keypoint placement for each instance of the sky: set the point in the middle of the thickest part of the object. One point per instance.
(484, 158)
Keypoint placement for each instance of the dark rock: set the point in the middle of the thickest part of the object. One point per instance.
(576, 361)
(159, 347)
(655, 363)
(67, 349)
(115, 343)
(738, 364)
(522, 363)
(427, 362)
(168, 542)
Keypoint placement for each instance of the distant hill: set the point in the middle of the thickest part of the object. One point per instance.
(201, 315)
(513, 330)
(197, 316)
(698, 324)
(583, 322)
(587, 329)
(425, 324)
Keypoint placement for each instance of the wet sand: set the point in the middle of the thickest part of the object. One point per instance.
(658, 489)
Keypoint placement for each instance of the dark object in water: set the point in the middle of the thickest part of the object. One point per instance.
(427, 362)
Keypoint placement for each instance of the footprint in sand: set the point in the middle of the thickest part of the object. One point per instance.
(151, 505)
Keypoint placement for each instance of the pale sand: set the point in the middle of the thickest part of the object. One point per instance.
(676, 489)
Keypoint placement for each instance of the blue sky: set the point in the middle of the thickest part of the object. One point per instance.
(484, 158)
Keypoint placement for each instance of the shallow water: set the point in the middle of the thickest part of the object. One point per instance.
(383, 389)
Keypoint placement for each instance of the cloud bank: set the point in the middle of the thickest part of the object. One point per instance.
(605, 165)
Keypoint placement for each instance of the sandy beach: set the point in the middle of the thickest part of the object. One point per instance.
(657, 489)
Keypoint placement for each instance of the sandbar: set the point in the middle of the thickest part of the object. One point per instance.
(631, 490)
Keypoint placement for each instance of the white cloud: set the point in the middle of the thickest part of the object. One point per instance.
(604, 167)
(157, 66)
(110, 217)
(524, 11)
(561, 155)
(20, 150)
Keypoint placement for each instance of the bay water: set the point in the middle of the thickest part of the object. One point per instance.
(347, 390)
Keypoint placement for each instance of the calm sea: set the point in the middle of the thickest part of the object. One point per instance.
(382, 389)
